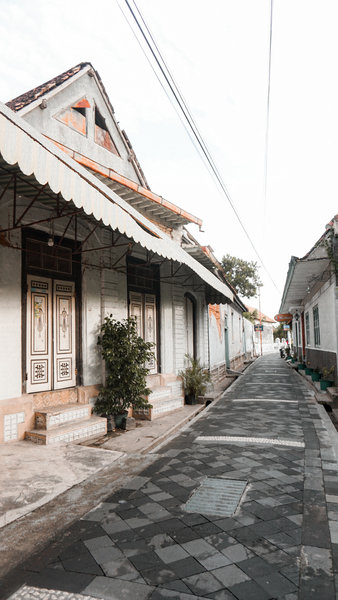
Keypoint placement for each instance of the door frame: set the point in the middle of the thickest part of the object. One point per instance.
(75, 277)
(149, 288)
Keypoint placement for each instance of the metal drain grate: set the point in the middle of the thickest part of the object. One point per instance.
(229, 439)
(218, 497)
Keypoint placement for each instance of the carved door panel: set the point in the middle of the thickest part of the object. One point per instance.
(136, 310)
(150, 327)
(39, 334)
(64, 334)
(143, 307)
(189, 326)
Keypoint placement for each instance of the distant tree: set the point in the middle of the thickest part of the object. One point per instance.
(251, 316)
(242, 275)
(278, 332)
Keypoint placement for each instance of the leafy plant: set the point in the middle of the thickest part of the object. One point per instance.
(327, 371)
(125, 354)
(242, 274)
(195, 377)
(251, 316)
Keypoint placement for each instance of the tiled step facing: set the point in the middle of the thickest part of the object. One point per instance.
(72, 432)
(66, 423)
(164, 399)
(53, 416)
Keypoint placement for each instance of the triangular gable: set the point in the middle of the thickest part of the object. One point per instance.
(76, 117)
(75, 111)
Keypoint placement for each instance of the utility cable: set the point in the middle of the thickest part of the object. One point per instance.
(191, 123)
(266, 157)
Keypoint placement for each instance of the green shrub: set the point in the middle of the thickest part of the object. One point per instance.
(125, 354)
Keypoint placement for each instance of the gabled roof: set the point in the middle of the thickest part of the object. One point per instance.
(260, 316)
(152, 205)
(304, 273)
(27, 98)
(25, 153)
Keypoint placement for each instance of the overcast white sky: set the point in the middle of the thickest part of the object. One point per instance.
(218, 53)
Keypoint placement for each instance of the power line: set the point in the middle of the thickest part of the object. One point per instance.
(266, 157)
(161, 63)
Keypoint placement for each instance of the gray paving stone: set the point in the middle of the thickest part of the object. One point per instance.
(213, 561)
(171, 553)
(103, 541)
(237, 553)
(162, 575)
(275, 584)
(198, 547)
(250, 590)
(109, 589)
(203, 583)
(122, 569)
(230, 575)
(106, 554)
(186, 567)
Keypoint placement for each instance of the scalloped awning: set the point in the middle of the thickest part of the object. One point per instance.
(35, 156)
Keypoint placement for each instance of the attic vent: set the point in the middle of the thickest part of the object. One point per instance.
(102, 135)
(75, 116)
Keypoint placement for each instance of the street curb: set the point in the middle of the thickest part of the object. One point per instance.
(162, 438)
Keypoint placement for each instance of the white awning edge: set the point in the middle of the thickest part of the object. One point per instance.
(21, 144)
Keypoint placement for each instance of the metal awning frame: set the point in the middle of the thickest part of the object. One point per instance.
(32, 165)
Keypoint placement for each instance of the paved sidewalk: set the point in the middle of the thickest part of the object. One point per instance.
(281, 543)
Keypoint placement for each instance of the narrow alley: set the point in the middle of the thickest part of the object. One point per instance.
(262, 459)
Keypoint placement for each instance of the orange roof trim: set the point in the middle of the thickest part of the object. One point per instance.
(110, 174)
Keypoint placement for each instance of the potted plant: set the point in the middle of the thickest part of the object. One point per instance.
(315, 376)
(325, 382)
(125, 354)
(195, 379)
(308, 369)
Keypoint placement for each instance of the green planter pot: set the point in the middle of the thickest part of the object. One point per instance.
(190, 399)
(324, 384)
(120, 420)
(308, 371)
(315, 376)
(301, 367)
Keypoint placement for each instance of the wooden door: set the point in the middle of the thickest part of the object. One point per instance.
(189, 327)
(143, 307)
(39, 334)
(64, 334)
(150, 327)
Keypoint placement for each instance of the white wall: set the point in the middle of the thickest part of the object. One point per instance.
(239, 334)
(216, 335)
(325, 299)
(10, 321)
(166, 323)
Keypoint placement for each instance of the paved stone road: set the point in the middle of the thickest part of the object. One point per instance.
(282, 543)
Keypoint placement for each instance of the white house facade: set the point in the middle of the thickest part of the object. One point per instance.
(310, 296)
(83, 237)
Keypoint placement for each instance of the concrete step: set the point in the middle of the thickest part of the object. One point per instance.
(159, 393)
(162, 407)
(72, 432)
(51, 417)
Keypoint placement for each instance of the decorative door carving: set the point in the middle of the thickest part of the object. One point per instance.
(39, 334)
(64, 334)
(189, 326)
(143, 307)
(50, 334)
